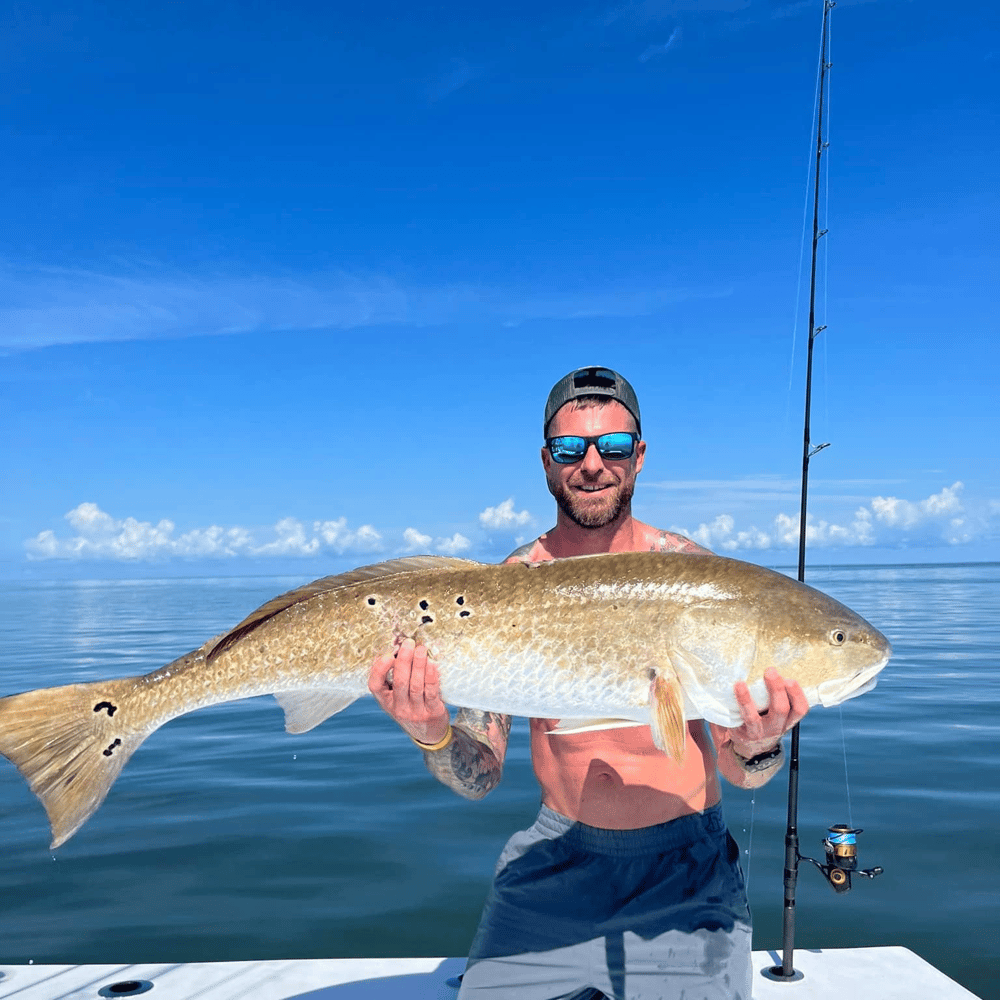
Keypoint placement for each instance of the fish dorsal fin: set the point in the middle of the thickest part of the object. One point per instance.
(392, 567)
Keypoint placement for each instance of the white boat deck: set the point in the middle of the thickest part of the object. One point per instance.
(827, 974)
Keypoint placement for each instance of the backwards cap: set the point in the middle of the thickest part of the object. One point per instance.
(594, 381)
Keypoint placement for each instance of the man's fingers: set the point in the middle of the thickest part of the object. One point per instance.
(777, 693)
(402, 668)
(432, 684)
(418, 670)
(378, 676)
(798, 702)
(748, 708)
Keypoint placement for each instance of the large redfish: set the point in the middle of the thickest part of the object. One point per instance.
(638, 637)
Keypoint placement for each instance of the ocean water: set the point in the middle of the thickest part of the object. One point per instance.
(225, 838)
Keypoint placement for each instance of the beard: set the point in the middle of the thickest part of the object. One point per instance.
(587, 513)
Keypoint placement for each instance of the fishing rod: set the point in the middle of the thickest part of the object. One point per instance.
(841, 840)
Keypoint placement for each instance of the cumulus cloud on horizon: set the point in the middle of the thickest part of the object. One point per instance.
(890, 522)
(99, 535)
(942, 519)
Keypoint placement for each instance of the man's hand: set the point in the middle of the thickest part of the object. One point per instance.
(412, 695)
(762, 731)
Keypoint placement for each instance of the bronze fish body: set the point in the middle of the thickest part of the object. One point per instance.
(615, 639)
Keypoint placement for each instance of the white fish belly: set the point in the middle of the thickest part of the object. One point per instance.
(527, 683)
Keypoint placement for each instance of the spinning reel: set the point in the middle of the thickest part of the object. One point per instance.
(841, 843)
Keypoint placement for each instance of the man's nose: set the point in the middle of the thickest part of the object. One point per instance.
(592, 460)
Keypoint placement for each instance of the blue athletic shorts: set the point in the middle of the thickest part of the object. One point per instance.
(657, 913)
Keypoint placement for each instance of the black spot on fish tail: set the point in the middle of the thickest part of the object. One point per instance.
(424, 605)
(464, 614)
(111, 748)
(372, 601)
(426, 620)
(111, 709)
(460, 599)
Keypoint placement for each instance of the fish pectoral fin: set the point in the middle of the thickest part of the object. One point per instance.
(666, 711)
(305, 710)
(590, 725)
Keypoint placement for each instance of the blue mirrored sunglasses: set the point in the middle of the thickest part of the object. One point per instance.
(570, 448)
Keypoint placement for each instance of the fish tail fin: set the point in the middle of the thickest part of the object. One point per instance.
(70, 744)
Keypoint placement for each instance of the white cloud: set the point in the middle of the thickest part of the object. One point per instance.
(415, 541)
(99, 535)
(892, 522)
(452, 546)
(898, 513)
(503, 517)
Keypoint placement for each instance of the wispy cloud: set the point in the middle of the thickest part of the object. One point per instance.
(457, 75)
(44, 306)
(643, 12)
(659, 50)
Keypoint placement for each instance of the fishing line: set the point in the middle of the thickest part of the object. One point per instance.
(847, 777)
(749, 847)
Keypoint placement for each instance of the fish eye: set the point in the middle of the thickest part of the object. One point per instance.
(838, 637)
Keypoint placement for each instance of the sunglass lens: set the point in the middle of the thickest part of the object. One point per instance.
(615, 447)
(566, 450)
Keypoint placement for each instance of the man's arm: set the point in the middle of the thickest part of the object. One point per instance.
(741, 748)
(470, 762)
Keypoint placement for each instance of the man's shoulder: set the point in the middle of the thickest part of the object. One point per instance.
(533, 551)
(650, 539)
(645, 538)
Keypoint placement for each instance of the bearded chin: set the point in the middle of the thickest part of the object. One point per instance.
(591, 517)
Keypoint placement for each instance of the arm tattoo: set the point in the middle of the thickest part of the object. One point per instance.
(473, 763)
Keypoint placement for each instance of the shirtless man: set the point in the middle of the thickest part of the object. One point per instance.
(628, 884)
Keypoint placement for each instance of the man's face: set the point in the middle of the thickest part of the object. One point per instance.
(593, 492)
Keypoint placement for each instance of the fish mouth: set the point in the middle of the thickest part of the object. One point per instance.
(835, 692)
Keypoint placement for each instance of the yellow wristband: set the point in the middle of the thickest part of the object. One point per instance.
(441, 743)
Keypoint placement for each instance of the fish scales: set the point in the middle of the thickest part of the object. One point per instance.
(647, 638)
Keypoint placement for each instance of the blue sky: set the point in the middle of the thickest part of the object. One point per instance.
(283, 290)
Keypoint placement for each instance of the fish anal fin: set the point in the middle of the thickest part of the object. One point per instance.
(666, 710)
(568, 726)
(304, 710)
(70, 743)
